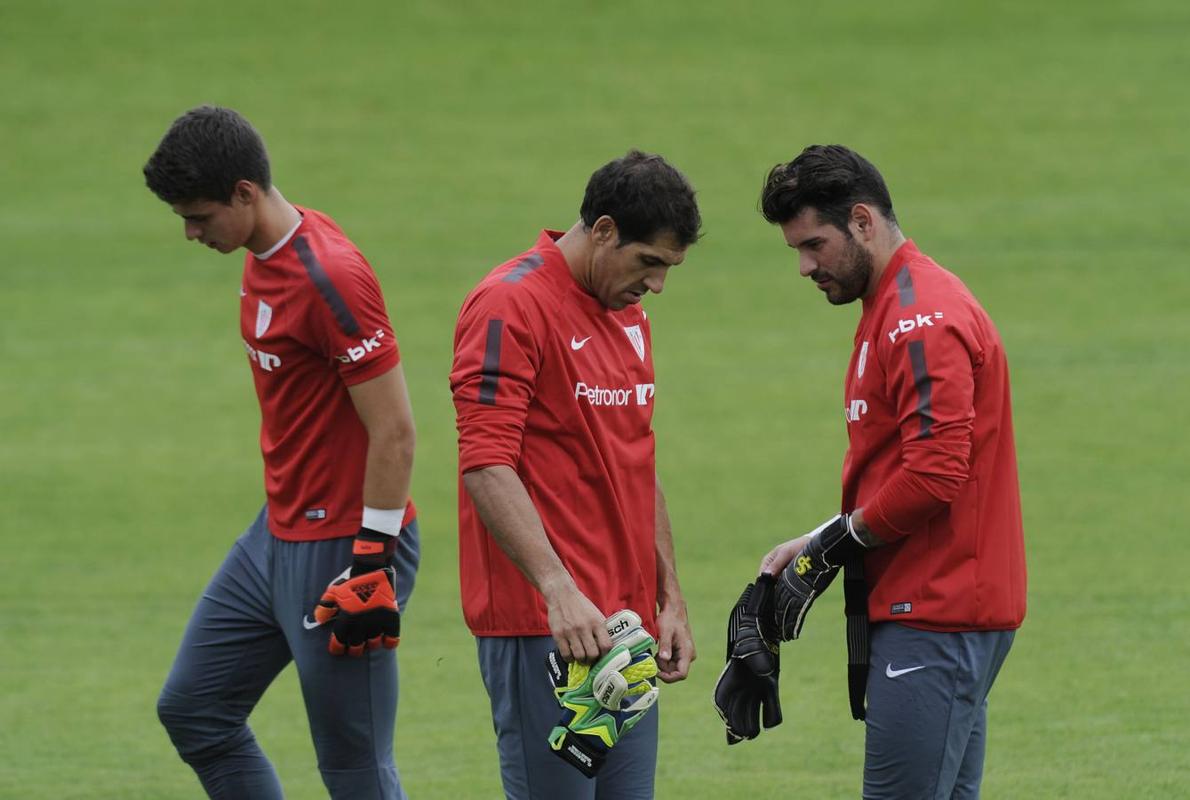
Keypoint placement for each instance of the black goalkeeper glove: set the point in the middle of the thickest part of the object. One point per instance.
(361, 604)
(746, 693)
(834, 543)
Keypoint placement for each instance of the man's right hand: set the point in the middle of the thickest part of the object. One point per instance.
(576, 624)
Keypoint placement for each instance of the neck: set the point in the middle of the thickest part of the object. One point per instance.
(575, 245)
(884, 246)
(274, 219)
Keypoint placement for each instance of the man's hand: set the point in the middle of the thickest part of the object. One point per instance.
(675, 643)
(361, 604)
(747, 691)
(602, 702)
(782, 554)
(576, 624)
(827, 549)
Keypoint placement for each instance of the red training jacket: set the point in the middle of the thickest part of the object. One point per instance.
(931, 457)
(314, 323)
(548, 381)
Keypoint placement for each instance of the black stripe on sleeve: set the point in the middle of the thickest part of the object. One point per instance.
(921, 380)
(329, 293)
(491, 363)
(524, 267)
(905, 287)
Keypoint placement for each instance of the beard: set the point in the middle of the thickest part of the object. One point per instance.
(852, 276)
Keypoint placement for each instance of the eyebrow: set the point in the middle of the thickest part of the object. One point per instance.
(809, 241)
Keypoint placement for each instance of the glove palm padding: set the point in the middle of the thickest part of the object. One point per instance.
(604, 701)
(746, 693)
(361, 604)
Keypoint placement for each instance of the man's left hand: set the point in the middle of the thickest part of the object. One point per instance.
(675, 643)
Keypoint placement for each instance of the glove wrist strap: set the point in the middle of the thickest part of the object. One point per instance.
(371, 550)
(574, 751)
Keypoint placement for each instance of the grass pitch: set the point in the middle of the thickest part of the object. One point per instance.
(1036, 150)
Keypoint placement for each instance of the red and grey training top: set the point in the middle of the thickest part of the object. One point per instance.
(313, 323)
(931, 457)
(548, 381)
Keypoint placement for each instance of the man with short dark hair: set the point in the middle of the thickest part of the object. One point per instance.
(561, 520)
(930, 529)
(323, 567)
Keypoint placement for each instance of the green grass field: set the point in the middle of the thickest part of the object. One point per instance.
(1038, 150)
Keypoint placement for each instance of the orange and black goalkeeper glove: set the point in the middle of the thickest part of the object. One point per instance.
(361, 604)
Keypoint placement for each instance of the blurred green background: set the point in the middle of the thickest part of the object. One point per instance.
(1038, 150)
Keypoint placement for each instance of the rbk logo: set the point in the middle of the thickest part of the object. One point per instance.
(907, 325)
(365, 346)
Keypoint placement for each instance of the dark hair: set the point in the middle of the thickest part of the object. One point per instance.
(829, 178)
(646, 196)
(202, 156)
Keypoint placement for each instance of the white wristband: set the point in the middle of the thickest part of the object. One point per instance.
(384, 520)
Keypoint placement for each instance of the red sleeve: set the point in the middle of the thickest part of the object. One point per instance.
(931, 381)
(493, 377)
(348, 321)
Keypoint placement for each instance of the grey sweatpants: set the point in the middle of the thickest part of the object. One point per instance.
(252, 620)
(524, 711)
(927, 711)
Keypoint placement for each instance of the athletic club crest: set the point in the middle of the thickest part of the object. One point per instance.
(863, 361)
(264, 315)
(637, 338)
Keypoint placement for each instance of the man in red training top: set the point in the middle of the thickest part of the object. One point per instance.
(320, 576)
(931, 519)
(561, 519)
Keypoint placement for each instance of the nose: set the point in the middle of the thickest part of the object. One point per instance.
(192, 231)
(655, 282)
(806, 264)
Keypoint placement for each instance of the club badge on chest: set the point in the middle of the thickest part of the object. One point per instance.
(638, 340)
(264, 315)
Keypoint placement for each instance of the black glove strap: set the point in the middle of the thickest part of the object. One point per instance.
(855, 599)
(574, 751)
(362, 563)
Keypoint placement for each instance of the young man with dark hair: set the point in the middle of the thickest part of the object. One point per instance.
(930, 529)
(320, 576)
(561, 519)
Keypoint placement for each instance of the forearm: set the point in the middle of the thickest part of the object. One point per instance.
(865, 535)
(669, 592)
(509, 515)
(906, 503)
(389, 469)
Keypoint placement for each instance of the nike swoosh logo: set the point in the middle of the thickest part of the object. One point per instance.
(576, 344)
(896, 673)
(310, 624)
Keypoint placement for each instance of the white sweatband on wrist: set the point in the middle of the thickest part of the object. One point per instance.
(384, 520)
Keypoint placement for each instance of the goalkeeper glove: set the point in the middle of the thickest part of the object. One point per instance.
(361, 604)
(603, 701)
(747, 687)
(834, 543)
